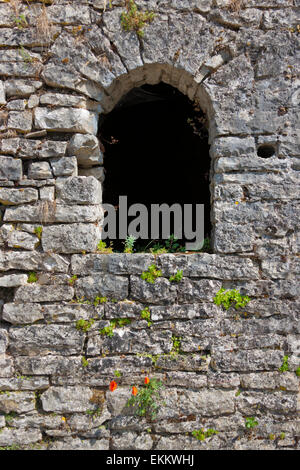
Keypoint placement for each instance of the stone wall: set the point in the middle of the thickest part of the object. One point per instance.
(64, 63)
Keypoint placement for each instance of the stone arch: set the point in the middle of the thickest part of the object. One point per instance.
(153, 74)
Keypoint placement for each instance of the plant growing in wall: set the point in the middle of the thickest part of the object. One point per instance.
(177, 277)
(231, 298)
(84, 325)
(146, 315)
(115, 323)
(129, 244)
(151, 274)
(285, 364)
(135, 20)
(32, 277)
(201, 435)
(102, 248)
(251, 423)
(144, 399)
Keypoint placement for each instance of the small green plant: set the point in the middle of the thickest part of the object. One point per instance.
(201, 435)
(231, 298)
(25, 55)
(129, 244)
(145, 399)
(84, 362)
(158, 249)
(32, 277)
(99, 300)
(151, 274)
(102, 248)
(84, 325)
(176, 340)
(172, 245)
(115, 323)
(285, 364)
(177, 277)
(282, 435)
(250, 423)
(117, 373)
(72, 280)
(9, 417)
(21, 21)
(297, 372)
(146, 315)
(272, 437)
(135, 20)
(38, 231)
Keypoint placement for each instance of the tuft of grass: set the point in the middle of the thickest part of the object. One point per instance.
(32, 277)
(135, 20)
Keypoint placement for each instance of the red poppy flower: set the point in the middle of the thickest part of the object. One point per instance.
(147, 380)
(112, 386)
(134, 391)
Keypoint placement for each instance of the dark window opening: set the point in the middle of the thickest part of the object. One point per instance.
(156, 151)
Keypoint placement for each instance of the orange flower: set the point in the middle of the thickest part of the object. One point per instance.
(112, 385)
(147, 380)
(134, 391)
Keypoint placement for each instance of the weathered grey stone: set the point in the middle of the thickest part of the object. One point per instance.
(86, 149)
(41, 340)
(33, 261)
(21, 436)
(132, 441)
(80, 444)
(18, 402)
(79, 190)
(161, 292)
(48, 364)
(40, 293)
(2, 93)
(3, 341)
(113, 287)
(22, 313)
(270, 381)
(17, 196)
(21, 87)
(6, 366)
(70, 238)
(47, 211)
(21, 121)
(10, 168)
(127, 341)
(39, 170)
(13, 280)
(66, 120)
(67, 399)
(17, 105)
(47, 193)
(65, 166)
(252, 360)
(96, 171)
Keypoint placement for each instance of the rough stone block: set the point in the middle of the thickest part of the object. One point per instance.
(66, 120)
(86, 149)
(79, 190)
(41, 340)
(107, 285)
(37, 293)
(10, 168)
(71, 238)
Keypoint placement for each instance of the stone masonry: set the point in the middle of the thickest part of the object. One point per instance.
(63, 64)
